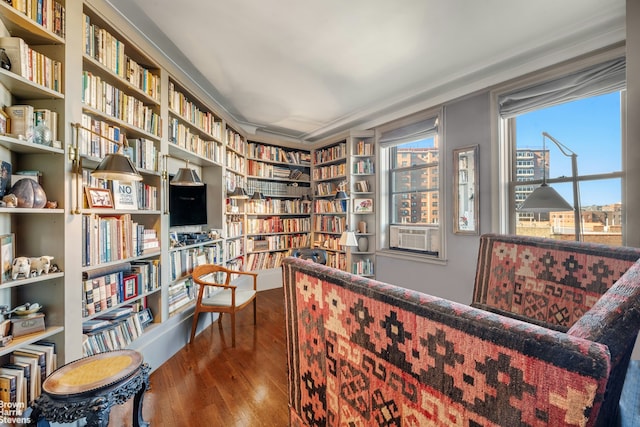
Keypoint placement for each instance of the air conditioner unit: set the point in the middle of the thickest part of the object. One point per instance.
(413, 238)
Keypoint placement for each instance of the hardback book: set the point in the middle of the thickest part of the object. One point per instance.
(49, 348)
(21, 389)
(7, 388)
(20, 121)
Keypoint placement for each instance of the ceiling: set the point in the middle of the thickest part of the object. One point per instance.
(309, 69)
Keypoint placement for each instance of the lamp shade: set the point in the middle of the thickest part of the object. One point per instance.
(341, 195)
(257, 196)
(348, 238)
(186, 177)
(116, 166)
(545, 199)
(238, 193)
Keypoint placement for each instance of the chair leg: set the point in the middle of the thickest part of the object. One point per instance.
(255, 316)
(194, 325)
(220, 321)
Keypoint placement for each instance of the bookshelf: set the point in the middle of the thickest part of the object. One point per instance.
(33, 88)
(330, 216)
(235, 179)
(121, 103)
(362, 216)
(281, 221)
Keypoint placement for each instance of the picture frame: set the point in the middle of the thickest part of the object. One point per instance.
(4, 121)
(362, 205)
(7, 254)
(99, 197)
(145, 316)
(465, 191)
(130, 287)
(125, 195)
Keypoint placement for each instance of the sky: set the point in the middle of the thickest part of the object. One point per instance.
(591, 128)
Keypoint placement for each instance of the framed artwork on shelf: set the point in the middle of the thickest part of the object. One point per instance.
(99, 197)
(145, 317)
(362, 205)
(130, 285)
(125, 195)
(7, 253)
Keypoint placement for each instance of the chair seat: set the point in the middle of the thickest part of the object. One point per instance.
(223, 298)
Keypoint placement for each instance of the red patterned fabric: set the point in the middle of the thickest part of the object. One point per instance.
(365, 353)
(547, 281)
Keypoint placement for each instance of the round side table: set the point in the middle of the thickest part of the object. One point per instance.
(90, 386)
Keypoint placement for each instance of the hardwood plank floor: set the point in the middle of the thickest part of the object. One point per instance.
(209, 383)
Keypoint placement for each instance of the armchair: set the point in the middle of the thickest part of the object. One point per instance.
(225, 298)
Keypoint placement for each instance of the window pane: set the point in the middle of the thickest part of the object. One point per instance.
(414, 179)
(420, 207)
(414, 153)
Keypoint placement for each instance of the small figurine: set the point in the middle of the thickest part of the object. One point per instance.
(11, 200)
(40, 265)
(21, 265)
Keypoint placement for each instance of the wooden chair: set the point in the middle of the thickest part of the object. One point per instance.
(227, 298)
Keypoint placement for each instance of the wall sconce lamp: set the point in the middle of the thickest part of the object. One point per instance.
(186, 177)
(114, 166)
(546, 199)
(238, 193)
(257, 196)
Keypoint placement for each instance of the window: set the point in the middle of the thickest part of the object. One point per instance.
(575, 116)
(410, 155)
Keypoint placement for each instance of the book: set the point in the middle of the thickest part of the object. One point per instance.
(49, 348)
(18, 52)
(7, 251)
(20, 121)
(21, 389)
(7, 388)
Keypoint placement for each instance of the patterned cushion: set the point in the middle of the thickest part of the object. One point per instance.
(548, 281)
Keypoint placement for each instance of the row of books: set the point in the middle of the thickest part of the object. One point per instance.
(144, 196)
(278, 242)
(233, 229)
(363, 167)
(278, 224)
(265, 260)
(235, 161)
(278, 154)
(182, 262)
(268, 170)
(337, 260)
(329, 206)
(191, 113)
(51, 14)
(330, 154)
(31, 64)
(110, 100)
(234, 248)
(235, 141)
(21, 379)
(326, 189)
(327, 241)
(329, 223)
(329, 172)
(181, 294)
(274, 188)
(115, 330)
(105, 48)
(143, 153)
(112, 238)
(364, 148)
(278, 206)
(362, 267)
(184, 137)
(362, 186)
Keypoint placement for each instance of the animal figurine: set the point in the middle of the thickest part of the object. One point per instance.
(21, 265)
(11, 200)
(40, 265)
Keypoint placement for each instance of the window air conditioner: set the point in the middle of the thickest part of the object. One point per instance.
(412, 238)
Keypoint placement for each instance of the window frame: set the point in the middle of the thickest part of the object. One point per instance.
(505, 139)
(385, 194)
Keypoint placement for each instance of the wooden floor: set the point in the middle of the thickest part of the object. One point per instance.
(209, 383)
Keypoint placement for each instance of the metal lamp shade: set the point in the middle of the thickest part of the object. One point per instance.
(239, 193)
(545, 199)
(186, 177)
(118, 167)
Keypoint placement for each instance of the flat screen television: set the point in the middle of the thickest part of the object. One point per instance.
(187, 205)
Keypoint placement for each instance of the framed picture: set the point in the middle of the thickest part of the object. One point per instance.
(145, 317)
(3, 122)
(5, 178)
(362, 205)
(99, 197)
(130, 285)
(125, 195)
(7, 253)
